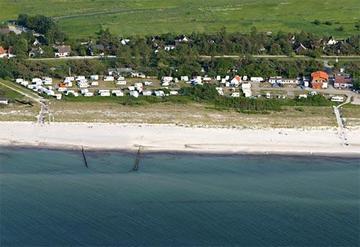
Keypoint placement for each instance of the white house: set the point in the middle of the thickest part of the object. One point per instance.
(235, 95)
(235, 82)
(62, 51)
(131, 88)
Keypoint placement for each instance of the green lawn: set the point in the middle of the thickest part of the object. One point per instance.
(85, 17)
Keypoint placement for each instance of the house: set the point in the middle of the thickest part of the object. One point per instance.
(62, 51)
(319, 80)
(3, 52)
(36, 52)
(343, 82)
(301, 49)
(235, 82)
(332, 41)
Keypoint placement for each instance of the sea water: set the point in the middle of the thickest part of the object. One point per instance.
(50, 198)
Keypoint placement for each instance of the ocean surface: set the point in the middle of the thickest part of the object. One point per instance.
(50, 198)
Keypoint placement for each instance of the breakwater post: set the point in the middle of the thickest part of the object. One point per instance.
(137, 159)
(84, 157)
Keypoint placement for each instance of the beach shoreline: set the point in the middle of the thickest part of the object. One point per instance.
(178, 139)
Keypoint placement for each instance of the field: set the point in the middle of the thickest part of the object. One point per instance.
(82, 18)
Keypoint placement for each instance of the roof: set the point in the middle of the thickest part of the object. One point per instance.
(342, 79)
(320, 74)
(63, 49)
(2, 50)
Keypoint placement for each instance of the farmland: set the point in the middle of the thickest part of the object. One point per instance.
(83, 18)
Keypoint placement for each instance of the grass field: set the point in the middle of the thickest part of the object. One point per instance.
(82, 18)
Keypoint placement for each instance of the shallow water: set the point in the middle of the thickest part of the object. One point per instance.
(50, 198)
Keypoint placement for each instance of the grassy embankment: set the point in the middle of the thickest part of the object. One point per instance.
(19, 108)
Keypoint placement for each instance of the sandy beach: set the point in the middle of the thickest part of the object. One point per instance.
(159, 138)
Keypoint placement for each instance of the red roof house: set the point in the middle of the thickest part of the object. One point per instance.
(319, 80)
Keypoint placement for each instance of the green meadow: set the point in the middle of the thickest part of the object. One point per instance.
(82, 18)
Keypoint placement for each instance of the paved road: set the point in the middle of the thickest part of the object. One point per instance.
(326, 58)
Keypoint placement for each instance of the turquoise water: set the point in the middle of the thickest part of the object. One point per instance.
(49, 198)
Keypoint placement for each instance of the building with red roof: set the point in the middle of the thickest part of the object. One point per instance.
(319, 80)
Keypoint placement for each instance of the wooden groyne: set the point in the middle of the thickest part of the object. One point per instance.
(137, 159)
(84, 157)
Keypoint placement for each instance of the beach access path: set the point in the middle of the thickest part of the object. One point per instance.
(172, 138)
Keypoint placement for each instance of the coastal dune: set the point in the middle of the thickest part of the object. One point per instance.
(172, 138)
